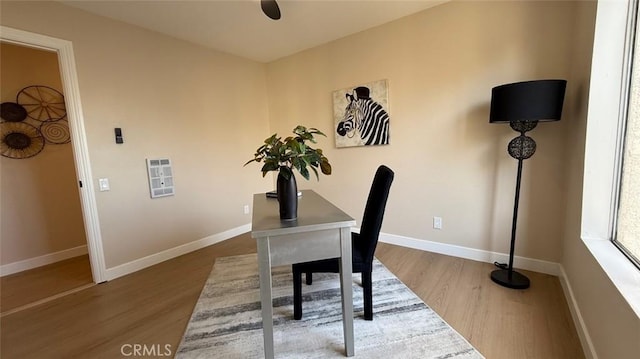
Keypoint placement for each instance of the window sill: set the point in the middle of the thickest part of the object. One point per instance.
(624, 275)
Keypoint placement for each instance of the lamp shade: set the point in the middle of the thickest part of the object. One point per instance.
(539, 100)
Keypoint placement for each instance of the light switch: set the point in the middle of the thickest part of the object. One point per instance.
(104, 184)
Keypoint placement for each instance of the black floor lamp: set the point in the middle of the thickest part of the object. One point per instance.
(523, 105)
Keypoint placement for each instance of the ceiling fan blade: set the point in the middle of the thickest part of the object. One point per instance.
(270, 8)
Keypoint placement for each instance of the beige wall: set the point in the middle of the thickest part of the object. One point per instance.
(612, 325)
(40, 204)
(203, 109)
(449, 161)
(194, 105)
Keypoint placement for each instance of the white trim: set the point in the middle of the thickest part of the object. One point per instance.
(26, 264)
(612, 49)
(138, 264)
(578, 321)
(605, 119)
(622, 273)
(75, 118)
(535, 265)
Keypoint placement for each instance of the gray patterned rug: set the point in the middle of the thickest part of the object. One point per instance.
(227, 323)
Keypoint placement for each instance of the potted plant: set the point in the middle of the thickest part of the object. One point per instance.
(285, 155)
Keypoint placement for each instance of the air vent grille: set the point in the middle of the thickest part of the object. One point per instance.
(160, 177)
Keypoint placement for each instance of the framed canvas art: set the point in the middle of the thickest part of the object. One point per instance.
(361, 115)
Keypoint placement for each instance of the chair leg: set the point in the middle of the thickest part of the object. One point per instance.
(309, 278)
(297, 295)
(367, 294)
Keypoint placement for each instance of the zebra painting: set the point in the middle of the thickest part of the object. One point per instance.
(364, 122)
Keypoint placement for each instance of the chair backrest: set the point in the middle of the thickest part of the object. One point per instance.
(374, 212)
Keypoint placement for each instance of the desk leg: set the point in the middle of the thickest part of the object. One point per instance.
(264, 264)
(346, 282)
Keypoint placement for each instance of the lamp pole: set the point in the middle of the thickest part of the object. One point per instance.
(514, 222)
(520, 148)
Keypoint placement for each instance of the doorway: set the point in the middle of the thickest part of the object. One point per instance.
(81, 162)
(44, 248)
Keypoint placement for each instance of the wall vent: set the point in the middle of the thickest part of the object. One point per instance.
(160, 177)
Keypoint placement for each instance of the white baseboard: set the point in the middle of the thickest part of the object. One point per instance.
(138, 264)
(578, 321)
(535, 265)
(23, 265)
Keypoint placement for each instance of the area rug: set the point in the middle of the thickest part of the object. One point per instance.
(227, 322)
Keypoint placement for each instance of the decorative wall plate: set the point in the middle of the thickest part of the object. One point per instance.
(56, 132)
(42, 103)
(12, 112)
(20, 140)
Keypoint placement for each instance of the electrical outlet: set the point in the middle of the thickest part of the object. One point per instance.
(437, 222)
(246, 209)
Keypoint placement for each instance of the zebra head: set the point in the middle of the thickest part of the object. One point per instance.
(352, 117)
(365, 117)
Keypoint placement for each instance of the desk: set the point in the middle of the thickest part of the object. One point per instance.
(321, 231)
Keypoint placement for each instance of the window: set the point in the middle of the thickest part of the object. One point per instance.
(627, 234)
(608, 85)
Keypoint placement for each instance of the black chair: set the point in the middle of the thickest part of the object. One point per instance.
(363, 246)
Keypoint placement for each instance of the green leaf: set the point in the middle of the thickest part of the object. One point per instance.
(269, 166)
(316, 172)
(312, 157)
(315, 131)
(306, 160)
(304, 172)
(296, 162)
(293, 145)
(271, 140)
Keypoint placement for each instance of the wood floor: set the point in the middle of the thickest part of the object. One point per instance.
(152, 307)
(32, 286)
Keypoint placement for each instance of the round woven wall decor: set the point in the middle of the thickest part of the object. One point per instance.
(56, 132)
(12, 112)
(20, 140)
(42, 103)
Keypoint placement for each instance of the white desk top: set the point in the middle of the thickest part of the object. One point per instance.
(314, 213)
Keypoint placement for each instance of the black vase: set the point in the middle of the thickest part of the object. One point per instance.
(287, 196)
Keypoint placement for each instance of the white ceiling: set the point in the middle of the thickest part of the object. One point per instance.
(239, 27)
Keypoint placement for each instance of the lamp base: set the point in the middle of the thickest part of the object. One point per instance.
(517, 280)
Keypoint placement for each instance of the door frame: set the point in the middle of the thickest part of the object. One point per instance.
(71, 90)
